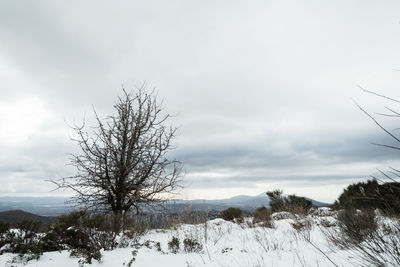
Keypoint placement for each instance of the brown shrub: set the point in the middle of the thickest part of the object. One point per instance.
(263, 217)
(300, 225)
(377, 244)
(231, 214)
(357, 226)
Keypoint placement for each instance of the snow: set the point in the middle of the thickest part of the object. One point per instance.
(224, 244)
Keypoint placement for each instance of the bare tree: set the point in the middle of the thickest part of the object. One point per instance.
(123, 163)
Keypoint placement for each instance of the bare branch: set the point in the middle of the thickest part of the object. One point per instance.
(383, 96)
(376, 122)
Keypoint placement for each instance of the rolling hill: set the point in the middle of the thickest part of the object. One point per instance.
(54, 206)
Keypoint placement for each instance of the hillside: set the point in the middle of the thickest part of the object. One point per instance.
(16, 216)
(45, 206)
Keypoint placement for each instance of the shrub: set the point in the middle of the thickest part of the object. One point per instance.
(4, 227)
(298, 205)
(72, 219)
(231, 213)
(191, 245)
(263, 216)
(377, 244)
(357, 226)
(173, 245)
(71, 231)
(28, 228)
(80, 228)
(291, 203)
(83, 233)
(371, 194)
(23, 241)
(52, 241)
(277, 201)
(301, 225)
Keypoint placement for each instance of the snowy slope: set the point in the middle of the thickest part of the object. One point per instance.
(224, 244)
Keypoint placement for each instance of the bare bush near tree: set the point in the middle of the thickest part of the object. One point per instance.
(123, 162)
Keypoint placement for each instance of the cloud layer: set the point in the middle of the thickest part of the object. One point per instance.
(262, 90)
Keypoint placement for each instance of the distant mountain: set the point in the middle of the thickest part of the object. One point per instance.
(45, 206)
(16, 216)
(54, 206)
(249, 203)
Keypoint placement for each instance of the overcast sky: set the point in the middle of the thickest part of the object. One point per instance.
(262, 89)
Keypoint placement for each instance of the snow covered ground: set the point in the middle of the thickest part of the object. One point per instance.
(223, 244)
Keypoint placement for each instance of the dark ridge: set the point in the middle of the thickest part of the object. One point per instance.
(16, 216)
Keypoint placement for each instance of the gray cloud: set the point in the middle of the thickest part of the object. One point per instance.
(254, 181)
(261, 90)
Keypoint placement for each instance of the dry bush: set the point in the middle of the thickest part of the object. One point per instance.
(302, 224)
(262, 216)
(299, 210)
(174, 244)
(303, 227)
(357, 226)
(292, 203)
(192, 245)
(282, 215)
(375, 240)
(231, 214)
(353, 228)
(85, 234)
